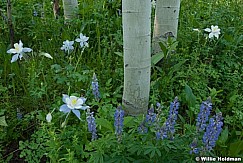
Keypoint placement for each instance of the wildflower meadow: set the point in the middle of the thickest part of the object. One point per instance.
(62, 85)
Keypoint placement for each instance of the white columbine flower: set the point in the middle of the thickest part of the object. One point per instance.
(48, 117)
(73, 104)
(82, 40)
(18, 51)
(214, 31)
(67, 46)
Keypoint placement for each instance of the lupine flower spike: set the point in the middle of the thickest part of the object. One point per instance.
(202, 118)
(18, 51)
(193, 146)
(151, 116)
(213, 131)
(168, 129)
(95, 87)
(118, 123)
(91, 124)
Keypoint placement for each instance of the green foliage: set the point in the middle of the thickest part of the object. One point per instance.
(192, 68)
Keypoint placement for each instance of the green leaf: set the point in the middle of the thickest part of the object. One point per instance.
(157, 57)
(163, 47)
(3, 121)
(127, 121)
(190, 97)
(119, 54)
(224, 136)
(236, 148)
(104, 123)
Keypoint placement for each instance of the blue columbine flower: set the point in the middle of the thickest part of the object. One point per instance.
(202, 118)
(213, 131)
(119, 119)
(73, 104)
(95, 87)
(91, 124)
(168, 129)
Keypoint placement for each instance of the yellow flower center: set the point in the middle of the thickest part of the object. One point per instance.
(74, 101)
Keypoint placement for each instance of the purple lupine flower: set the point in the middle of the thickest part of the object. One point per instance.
(95, 87)
(202, 117)
(142, 129)
(91, 124)
(162, 133)
(193, 146)
(119, 119)
(168, 129)
(213, 131)
(151, 116)
(19, 114)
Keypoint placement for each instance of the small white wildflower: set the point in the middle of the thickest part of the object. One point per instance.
(82, 40)
(67, 46)
(18, 51)
(48, 117)
(214, 31)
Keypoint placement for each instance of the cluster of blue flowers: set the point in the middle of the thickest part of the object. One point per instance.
(203, 115)
(213, 129)
(168, 129)
(91, 124)
(119, 119)
(95, 87)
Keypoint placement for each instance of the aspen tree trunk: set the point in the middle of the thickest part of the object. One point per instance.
(56, 8)
(165, 22)
(10, 23)
(70, 9)
(136, 19)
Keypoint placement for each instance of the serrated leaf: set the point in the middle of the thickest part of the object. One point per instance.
(156, 58)
(104, 123)
(3, 121)
(190, 97)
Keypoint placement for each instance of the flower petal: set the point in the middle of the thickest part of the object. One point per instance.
(207, 30)
(80, 101)
(84, 107)
(13, 51)
(14, 58)
(77, 113)
(64, 98)
(210, 35)
(48, 117)
(65, 109)
(20, 44)
(78, 40)
(84, 99)
(27, 50)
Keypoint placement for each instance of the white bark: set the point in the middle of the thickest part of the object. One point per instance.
(136, 18)
(166, 20)
(70, 8)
